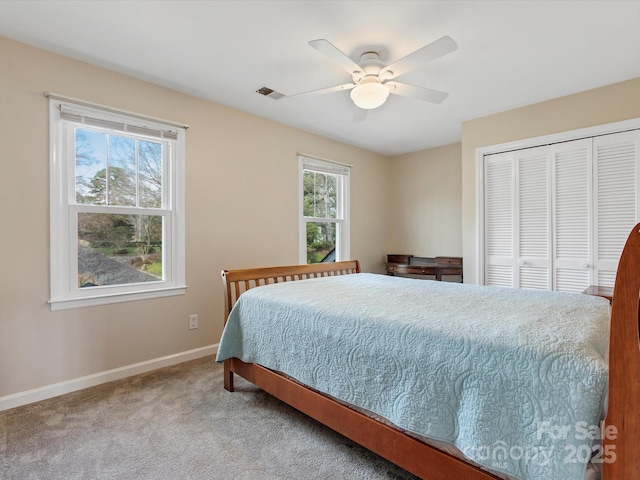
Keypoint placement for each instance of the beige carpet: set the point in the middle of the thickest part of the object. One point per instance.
(177, 423)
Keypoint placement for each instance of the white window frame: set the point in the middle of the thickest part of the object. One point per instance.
(65, 292)
(342, 173)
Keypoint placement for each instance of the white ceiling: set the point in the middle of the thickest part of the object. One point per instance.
(511, 54)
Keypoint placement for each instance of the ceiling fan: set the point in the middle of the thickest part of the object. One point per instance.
(371, 80)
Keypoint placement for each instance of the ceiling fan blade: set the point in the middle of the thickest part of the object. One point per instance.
(421, 93)
(328, 49)
(337, 88)
(430, 52)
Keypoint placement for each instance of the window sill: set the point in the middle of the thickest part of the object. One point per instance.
(92, 301)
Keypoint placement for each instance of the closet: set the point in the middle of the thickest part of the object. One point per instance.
(557, 216)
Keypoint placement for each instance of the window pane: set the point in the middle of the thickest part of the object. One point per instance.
(91, 165)
(118, 170)
(308, 202)
(321, 242)
(150, 174)
(122, 171)
(119, 249)
(320, 195)
(331, 196)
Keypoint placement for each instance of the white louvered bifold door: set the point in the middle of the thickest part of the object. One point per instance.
(557, 216)
(616, 203)
(571, 186)
(499, 219)
(532, 223)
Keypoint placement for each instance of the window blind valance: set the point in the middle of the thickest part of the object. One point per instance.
(318, 165)
(116, 126)
(91, 114)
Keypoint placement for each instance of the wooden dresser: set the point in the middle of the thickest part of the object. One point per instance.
(434, 266)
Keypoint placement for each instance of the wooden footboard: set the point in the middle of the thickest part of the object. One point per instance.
(621, 433)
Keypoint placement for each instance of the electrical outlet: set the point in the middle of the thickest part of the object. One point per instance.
(193, 322)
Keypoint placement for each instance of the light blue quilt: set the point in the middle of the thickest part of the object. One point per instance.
(515, 379)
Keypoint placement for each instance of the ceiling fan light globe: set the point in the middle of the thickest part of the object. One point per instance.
(369, 95)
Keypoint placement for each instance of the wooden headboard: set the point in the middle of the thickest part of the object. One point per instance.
(236, 282)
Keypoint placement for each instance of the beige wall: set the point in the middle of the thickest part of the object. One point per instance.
(426, 203)
(234, 219)
(612, 103)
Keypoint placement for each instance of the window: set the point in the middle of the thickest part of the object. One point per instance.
(324, 211)
(117, 209)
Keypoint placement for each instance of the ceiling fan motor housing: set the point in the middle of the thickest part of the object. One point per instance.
(370, 64)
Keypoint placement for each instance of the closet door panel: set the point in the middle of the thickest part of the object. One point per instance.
(499, 220)
(571, 185)
(533, 239)
(616, 210)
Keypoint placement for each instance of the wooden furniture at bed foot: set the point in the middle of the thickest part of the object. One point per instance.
(598, 291)
(434, 266)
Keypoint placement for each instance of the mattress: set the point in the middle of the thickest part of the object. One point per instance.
(511, 378)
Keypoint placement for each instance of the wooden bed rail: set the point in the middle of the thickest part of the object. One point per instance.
(236, 282)
(621, 433)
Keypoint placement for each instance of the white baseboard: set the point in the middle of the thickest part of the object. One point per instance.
(68, 386)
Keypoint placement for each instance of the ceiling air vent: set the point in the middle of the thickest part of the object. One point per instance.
(268, 92)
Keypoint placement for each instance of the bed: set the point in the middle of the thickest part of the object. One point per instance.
(398, 438)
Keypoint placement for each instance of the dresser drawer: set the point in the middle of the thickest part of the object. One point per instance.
(396, 258)
(449, 260)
